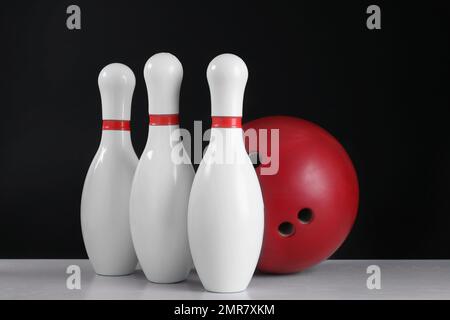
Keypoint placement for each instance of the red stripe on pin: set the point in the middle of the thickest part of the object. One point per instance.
(163, 119)
(226, 122)
(121, 125)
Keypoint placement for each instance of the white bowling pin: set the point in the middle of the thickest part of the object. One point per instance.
(226, 209)
(106, 192)
(163, 180)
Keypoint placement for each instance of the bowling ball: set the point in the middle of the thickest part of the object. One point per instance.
(310, 193)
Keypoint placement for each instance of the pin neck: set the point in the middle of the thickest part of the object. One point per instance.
(116, 134)
(163, 119)
(119, 125)
(226, 122)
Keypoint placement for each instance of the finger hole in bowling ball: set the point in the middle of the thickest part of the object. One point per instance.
(286, 229)
(305, 215)
(254, 157)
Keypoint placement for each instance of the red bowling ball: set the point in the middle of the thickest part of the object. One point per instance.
(311, 202)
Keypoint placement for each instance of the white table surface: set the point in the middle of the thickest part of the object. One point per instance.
(332, 279)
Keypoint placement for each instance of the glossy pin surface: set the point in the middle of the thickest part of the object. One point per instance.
(106, 190)
(163, 179)
(226, 210)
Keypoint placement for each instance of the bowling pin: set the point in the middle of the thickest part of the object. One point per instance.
(163, 180)
(226, 210)
(106, 192)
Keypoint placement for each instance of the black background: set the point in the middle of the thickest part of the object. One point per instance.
(384, 94)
